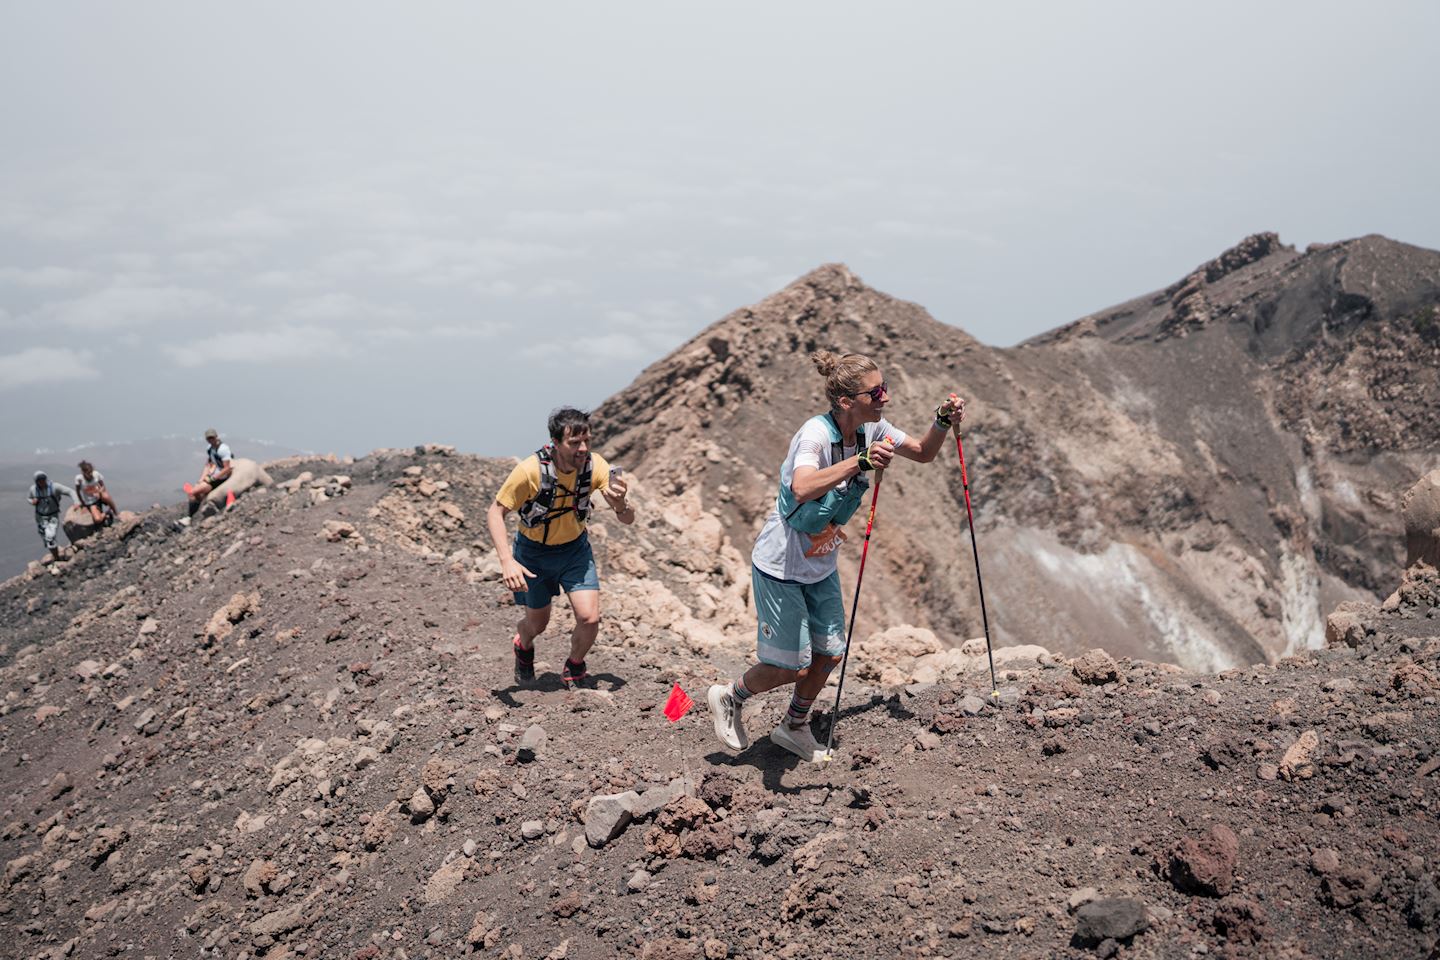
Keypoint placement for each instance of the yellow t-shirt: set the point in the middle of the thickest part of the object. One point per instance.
(524, 482)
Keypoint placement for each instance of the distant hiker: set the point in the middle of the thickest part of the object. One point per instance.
(45, 498)
(794, 582)
(217, 470)
(551, 491)
(90, 486)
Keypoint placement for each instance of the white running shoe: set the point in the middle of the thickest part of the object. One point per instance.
(798, 740)
(729, 724)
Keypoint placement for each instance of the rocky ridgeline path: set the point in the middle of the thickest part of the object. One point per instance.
(291, 732)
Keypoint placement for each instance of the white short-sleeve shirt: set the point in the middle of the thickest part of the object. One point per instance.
(781, 550)
(89, 490)
(218, 455)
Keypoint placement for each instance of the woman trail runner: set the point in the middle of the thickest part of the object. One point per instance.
(794, 580)
(94, 497)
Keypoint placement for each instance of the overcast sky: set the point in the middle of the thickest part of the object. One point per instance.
(340, 225)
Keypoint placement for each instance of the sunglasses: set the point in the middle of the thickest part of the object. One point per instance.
(875, 394)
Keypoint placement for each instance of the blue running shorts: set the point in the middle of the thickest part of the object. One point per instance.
(797, 619)
(563, 566)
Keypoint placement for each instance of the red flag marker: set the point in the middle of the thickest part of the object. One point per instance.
(229, 499)
(678, 704)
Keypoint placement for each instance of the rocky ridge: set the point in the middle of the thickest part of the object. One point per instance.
(1196, 476)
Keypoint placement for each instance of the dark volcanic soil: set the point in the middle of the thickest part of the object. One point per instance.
(292, 732)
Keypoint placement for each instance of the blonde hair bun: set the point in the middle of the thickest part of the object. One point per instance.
(825, 362)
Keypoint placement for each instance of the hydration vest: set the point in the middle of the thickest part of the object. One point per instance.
(540, 509)
(47, 504)
(838, 504)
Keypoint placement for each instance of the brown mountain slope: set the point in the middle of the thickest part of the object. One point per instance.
(1193, 477)
(290, 732)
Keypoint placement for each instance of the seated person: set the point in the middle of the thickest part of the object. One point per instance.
(217, 470)
(93, 496)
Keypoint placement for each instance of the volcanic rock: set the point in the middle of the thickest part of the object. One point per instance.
(607, 816)
(1205, 865)
(1421, 510)
(1095, 667)
(1113, 918)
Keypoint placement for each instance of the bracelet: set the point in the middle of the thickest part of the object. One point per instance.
(863, 458)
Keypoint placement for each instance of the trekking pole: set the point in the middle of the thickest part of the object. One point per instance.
(970, 516)
(854, 606)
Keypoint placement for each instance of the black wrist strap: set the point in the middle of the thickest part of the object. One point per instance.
(863, 458)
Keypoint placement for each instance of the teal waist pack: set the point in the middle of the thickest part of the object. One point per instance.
(837, 505)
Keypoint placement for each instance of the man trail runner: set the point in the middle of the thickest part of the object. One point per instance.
(45, 498)
(551, 490)
(794, 580)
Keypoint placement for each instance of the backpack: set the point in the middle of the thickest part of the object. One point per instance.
(837, 505)
(540, 509)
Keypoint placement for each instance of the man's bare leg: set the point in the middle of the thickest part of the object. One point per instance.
(586, 605)
(531, 625)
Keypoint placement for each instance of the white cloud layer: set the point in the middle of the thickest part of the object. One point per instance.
(557, 210)
(275, 345)
(123, 305)
(43, 277)
(37, 366)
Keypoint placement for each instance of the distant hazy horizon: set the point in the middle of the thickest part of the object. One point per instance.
(353, 226)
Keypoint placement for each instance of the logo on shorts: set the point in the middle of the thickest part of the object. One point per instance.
(767, 630)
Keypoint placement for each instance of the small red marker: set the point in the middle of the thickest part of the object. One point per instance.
(678, 704)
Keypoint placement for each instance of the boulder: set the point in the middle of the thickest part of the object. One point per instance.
(79, 524)
(654, 799)
(1345, 627)
(607, 816)
(1206, 865)
(244, 475)
(1114, 918)
(1299, 760)
(1420, 508)
(532, 743)
(1095, 667)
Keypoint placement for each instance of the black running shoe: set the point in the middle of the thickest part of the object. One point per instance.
(524, 664)
(573, 673)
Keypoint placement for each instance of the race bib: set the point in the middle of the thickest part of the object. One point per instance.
(826, 541)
